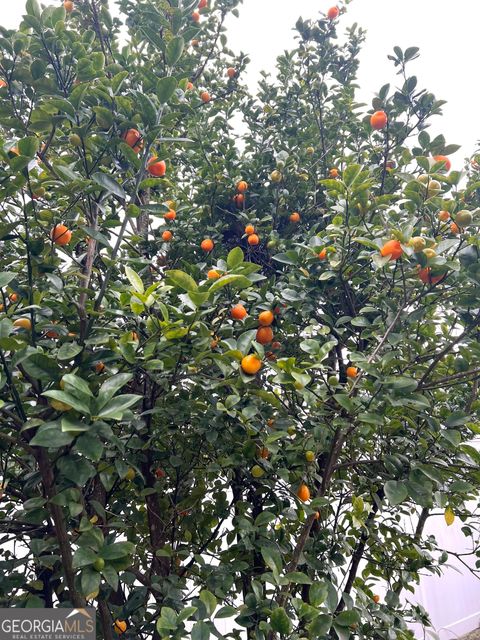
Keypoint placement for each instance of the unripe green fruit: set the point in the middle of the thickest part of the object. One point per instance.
(291, 431)
(463, 218)
(130, 475)
(418, 243)
(309, 456)
(276, 176)
(332, 381)
(310, 151)
(257, 471)
(99, 564)
(75, 140)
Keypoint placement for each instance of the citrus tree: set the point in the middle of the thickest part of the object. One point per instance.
(236, 363)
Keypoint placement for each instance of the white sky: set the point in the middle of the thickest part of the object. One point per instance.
(445, 30)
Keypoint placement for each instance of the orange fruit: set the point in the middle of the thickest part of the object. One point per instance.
(214, 343)
(23, 323)
(443, 216)
(213, 274)
(295, 217)
(170, 215)
(447, 166)
(134, 336)
(13, 297)
(189, 86)
(271, 423)
(239, 199)
(52, 334)
(207, 244)
(333, 173)
(238, 312)
(133, 138)
(242, 186)
(99, 367)
(266, 318)
(167, 236)
(68, 6)
(323, 254)
(119, 626)
(251, 364)
(2, 84)
(156, 167)
(1, 307)
(352, 372)
(205, 96)
(276, 345)
(196, 16)
(203, 4)
(392, 248)
(249, 229)
(231, 72)
(426, 277)
(253, 239)
(264, 335)
(264, 453)
(60, 234)
(454, 228)
(195, 43)
(379, 120)
(303, 493)
(333, 13)
(376, 599)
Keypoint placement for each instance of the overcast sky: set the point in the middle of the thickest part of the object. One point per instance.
(445, 30)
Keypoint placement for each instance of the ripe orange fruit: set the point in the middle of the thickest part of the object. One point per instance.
(170, 215)
(379, 120)
(213, 274)
(242, 186)
(205, 96)
(276, 345)
(264, 335)
(239, 199)
(392, 248)
(271, 423)
(253, 239)
(352, 372)
(238, 312)
(167, 236)
(316, 515)
(454, 228)
(2, 84)
(133, 138)
(264, 453)
(333, 173)
(160, 473)
(333, 13)
(295, 217)
(195, 42)
(68, 6)
(249, 229)
(207, 244)
(196, 16)
(23, 323)
(99, 367)
(203, 4)
(156, 167)
(189, 86)
(251, 364)
(231, 72)
(447, 166)
(119, 626)
(13, 297)
(376, 599)
(52, 334)
(60, 234)
(323, 254)
(266, 318)
(444, 216)
(303, 493)
(426, 277)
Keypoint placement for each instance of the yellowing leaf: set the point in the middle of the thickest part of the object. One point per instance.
(449, 516)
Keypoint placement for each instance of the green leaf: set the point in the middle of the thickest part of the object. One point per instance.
(69, 399)
(320, 625)
(166, 88)
(110, 387)
(6, 277)
(68, 351)
(182, 280)
(41, 367)
(298, 577)
(235, 258)
(117, 550)
(272, 559)
(209, 600)
(115, 409)
(174, 50)
(395, 491)
(230, 279)
(347, 618)
(89, 581)
(32, 7)
(167, 621)
(280, 622)
(134, 279)
(90, 446)
(108, 183)
(28, 146)
(200, 631)
(83, 557)
(50, 435)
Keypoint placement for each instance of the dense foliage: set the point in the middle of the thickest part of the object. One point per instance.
(223, 394)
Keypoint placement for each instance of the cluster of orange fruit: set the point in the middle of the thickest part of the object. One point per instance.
(134, 139)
